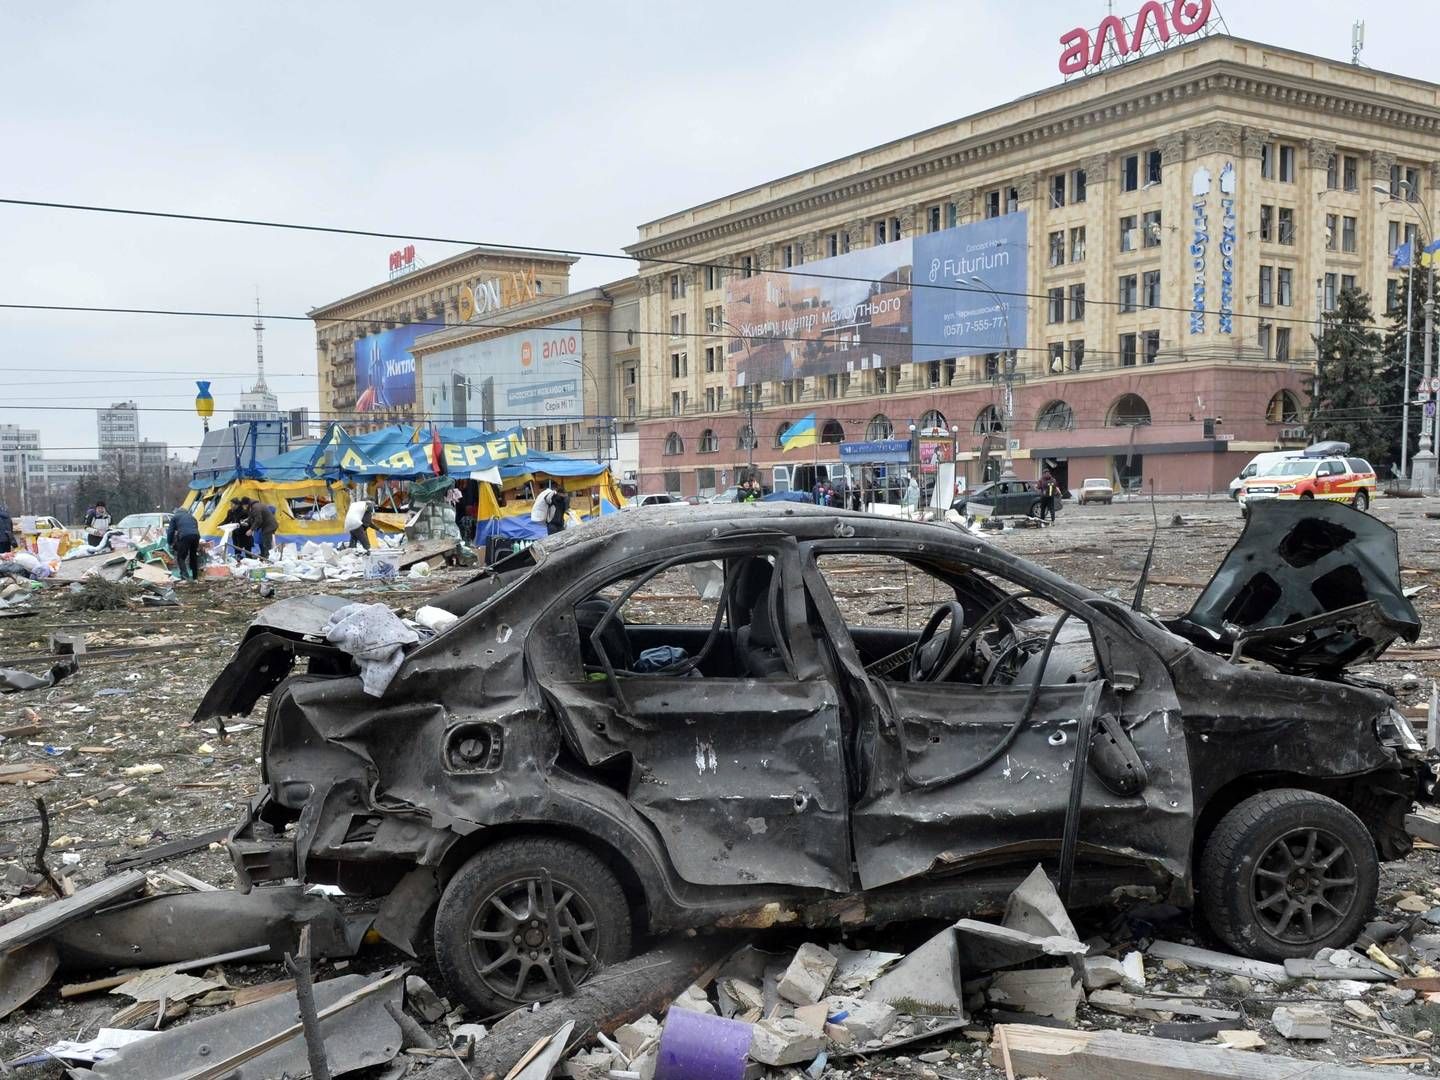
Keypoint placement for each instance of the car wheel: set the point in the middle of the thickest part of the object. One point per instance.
(1307, 495)
(1287, 873)
(1362, 501)
(1034, 510)
(492, 927)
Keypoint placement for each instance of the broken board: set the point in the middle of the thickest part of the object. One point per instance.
(51, 917)
(1062, 1054)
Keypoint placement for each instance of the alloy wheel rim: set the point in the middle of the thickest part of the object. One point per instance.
(511, 945)
(1304, 885)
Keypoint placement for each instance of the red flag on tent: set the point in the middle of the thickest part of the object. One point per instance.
(436, 451)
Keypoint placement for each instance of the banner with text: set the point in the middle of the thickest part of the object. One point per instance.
(956, 292)
(385, 369)
(530, 375)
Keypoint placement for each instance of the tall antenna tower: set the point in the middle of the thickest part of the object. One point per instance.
(260, 386)
(1357, 41)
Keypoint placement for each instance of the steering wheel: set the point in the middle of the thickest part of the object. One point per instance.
(934, 654)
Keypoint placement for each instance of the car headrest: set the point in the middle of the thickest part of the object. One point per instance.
(615, 641)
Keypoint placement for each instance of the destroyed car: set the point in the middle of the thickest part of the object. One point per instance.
(687, 719)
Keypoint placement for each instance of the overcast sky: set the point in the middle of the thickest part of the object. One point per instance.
(551, 124)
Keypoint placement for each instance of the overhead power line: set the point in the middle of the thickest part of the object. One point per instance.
(799, 271)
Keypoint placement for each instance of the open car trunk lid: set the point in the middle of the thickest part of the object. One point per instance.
(1310, 588)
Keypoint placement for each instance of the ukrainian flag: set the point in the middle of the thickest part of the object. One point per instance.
(801, 433)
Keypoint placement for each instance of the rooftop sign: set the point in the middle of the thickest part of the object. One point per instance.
(1149, 30)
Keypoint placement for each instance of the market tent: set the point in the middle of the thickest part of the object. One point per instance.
(310, 509)
(521, 481)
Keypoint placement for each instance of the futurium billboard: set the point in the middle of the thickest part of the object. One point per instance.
(956, 292)
(385, 368)
(530, 375)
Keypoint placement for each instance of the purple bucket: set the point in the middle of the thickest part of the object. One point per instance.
(698, 1046)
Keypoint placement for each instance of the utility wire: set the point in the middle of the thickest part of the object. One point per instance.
(799, 271)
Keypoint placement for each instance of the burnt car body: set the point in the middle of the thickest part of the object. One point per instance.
(546, 800)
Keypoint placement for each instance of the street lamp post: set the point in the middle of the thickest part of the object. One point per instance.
(1422, 467)
(1007, 374)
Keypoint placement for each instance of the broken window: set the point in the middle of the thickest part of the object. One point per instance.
(705, 617)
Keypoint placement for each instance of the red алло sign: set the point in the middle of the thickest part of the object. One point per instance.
(1084, 49)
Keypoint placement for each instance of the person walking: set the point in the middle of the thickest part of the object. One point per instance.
(97, 521)
(549, 509)
(358, 520)
(1049, 496)
(7, 531)
(263, 526)
(182, 536)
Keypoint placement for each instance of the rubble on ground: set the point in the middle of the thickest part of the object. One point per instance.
(1124, 988)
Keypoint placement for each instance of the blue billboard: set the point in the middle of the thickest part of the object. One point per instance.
(955, 292)
(969, 286)
(385, 368)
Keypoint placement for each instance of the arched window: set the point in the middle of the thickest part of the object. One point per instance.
(879, 427)
(832, 432)
(674, 444)
(780, 431)
(1284, 408)
(746, 439)
(1057, 416)
(933, 420)
(989, 421)
(709, 444)
(1129, 410)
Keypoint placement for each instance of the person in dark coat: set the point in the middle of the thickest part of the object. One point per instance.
(263, 525)
(7, 531)
(183, 537)
(239, 515)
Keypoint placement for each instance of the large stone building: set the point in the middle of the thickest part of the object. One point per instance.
(381, 322)
(565, 368)
(1220, 172)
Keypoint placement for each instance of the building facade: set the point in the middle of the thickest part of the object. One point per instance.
(380, 324)
(22, 470)
(1186, 218)
(118, 428)
(563, 368)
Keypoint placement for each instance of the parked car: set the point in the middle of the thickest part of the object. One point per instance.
(1337, 479)
(561, 774)
(43, 524)
(729, 495)
(1000, 498)
(138, 525)
(657, 499)
(1096, 489)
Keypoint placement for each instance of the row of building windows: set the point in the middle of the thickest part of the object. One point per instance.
(1128, 410)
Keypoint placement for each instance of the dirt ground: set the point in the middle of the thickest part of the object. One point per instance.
(130, 703)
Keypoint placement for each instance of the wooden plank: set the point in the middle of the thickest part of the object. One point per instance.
(1421, 984)
(161, 852)
(51, 917)
(1122, 1004)
(1209, 960)
(1059, 1054)
(1424, 825)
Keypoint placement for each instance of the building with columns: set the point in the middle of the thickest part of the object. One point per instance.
(1187, 217)
(382, 321)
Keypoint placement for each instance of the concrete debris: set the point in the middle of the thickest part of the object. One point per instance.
(635, 1037)
(929, 978)
(1301, 1022)
(590, 1065)
(1123, 1004)
(1102, 971)
(1360, 1010)
(1209, 960)
(1044, 992)
(785, 1042)
(428, 1005)
(987, 947)
(808, 976)
(739, 1000)
(857, 969)
(1241, 1040)
(1035, 908)
(865, 1021)
(695, 1000)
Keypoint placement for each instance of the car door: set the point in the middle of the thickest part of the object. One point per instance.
(951, 773)
(740, 775)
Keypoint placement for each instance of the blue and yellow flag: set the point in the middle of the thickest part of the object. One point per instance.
(801, 433)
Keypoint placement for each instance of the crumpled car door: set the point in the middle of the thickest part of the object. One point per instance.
(742, 778)
(1310, 587)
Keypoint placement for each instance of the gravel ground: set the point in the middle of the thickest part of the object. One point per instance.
(130, 704)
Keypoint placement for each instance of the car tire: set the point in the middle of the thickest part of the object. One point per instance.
(490, 888)
(1307, 495)
(1282, 855)
(1034, 510)
(1362, 501)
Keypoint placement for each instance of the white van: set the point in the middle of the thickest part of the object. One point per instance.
(1258, 466)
